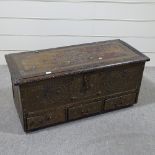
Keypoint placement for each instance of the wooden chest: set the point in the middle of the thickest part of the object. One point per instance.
(62, 84)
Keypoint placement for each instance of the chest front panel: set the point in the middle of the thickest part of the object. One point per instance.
(63, 91)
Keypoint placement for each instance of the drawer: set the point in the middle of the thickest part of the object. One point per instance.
(120, 102)
(84, 110)
(48, 118)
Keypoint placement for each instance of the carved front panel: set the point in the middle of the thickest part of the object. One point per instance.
(46, 94)
(71, 89)
(87, 86)
(123, 78)
(62, 91)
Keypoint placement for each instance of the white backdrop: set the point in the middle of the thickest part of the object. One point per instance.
(40, 24)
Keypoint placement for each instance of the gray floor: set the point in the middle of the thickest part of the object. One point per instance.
(128, 131)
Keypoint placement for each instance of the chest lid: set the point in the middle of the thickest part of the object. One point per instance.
(42, 64)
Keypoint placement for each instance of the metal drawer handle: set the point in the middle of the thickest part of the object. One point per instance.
(51, 116)
(85, 112)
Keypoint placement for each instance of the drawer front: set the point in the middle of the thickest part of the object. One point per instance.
(120, 102)
(84, 110)
(46, 119)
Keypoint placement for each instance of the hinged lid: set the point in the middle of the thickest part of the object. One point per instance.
(36, 65)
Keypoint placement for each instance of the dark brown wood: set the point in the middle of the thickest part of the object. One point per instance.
(84, 110)
(46, 118)
(63, 84)
(120, 102)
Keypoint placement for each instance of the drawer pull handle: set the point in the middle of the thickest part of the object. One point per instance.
(85, 112)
